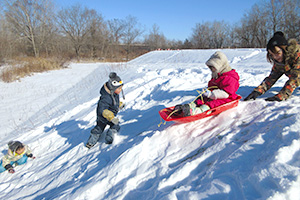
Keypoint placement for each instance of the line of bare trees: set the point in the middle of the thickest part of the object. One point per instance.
(254, 29)
(35, 28)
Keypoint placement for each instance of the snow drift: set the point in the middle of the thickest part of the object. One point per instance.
(248, 152)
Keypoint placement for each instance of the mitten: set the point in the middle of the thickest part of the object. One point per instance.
(11, 170)
(30, 156)
(121, 105)
(253, 95)
(207, 93)
(109, 115)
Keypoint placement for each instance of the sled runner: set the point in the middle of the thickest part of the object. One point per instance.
(168, 114)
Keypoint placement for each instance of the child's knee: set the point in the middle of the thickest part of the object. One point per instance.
(201, 109)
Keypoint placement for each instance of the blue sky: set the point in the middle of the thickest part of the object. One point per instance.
(175, 18)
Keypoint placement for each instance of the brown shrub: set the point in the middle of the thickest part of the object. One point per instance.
(22, 67)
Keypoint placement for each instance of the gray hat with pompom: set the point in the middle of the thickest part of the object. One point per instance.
(114, 81)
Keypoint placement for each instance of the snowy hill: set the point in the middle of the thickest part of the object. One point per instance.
(249, 152)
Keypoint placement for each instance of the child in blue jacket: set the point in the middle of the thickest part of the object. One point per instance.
(107, 109)
(17, 154)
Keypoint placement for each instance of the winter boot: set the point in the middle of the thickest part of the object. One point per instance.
(182, 110)
(178, 109)
(88, 145)
(186, 110)
(109, 138)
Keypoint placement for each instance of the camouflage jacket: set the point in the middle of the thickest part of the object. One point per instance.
(291, 68)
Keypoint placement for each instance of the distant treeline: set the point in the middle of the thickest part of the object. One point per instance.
(34, 28)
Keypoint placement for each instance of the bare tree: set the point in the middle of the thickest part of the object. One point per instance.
(275, 13)
(155, 39)
(199, 36)
(132, 31)
(254, 31)
(291, 19)
(76, 23)
(259, 24)
(186, 44)
(116, 28)
(219, 34)
(98, 36)
(30, 20)
(210, 35)
(4, 40)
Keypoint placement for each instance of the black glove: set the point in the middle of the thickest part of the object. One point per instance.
(253, 95)
(274, 98)
(9, 168)
(30, 156)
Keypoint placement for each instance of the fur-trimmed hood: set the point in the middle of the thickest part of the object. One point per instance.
(292, 51)
(219, 61)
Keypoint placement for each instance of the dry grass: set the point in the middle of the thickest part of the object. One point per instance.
(22, 67)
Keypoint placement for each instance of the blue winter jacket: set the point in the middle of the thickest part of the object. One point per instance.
(106, 102)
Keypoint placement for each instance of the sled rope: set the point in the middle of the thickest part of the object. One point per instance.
(161, 122)
(164, 123)
(174, 111)
(203, 91)
(200, 95)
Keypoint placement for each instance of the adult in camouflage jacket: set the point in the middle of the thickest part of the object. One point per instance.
(285, 57)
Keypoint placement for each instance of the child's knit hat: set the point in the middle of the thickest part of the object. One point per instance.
(114, 82)
(278, 39)
(14, 145)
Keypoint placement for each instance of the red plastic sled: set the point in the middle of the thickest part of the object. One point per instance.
(165, 113)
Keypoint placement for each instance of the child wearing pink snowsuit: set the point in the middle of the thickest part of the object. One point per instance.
(222, 87)
(224, 82)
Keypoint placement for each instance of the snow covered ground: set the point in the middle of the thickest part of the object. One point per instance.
(249, 152)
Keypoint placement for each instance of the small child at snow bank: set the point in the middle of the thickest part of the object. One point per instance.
(107, 109)
(222, 87)
(17, 155)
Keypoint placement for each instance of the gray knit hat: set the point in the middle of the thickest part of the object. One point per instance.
(14, 145)
(114, 82)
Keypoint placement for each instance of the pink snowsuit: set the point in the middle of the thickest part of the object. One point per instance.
(229, 82)
(225, 78)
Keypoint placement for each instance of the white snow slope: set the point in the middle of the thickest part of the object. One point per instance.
(248, 152)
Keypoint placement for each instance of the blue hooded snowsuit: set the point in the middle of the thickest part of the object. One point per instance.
(108, 100)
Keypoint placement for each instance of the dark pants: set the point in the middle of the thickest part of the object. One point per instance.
(98, 130)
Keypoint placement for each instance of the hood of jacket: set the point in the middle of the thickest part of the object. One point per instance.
(220, 62)
(292, 51)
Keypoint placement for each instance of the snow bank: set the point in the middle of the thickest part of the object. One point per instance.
(248, 152)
